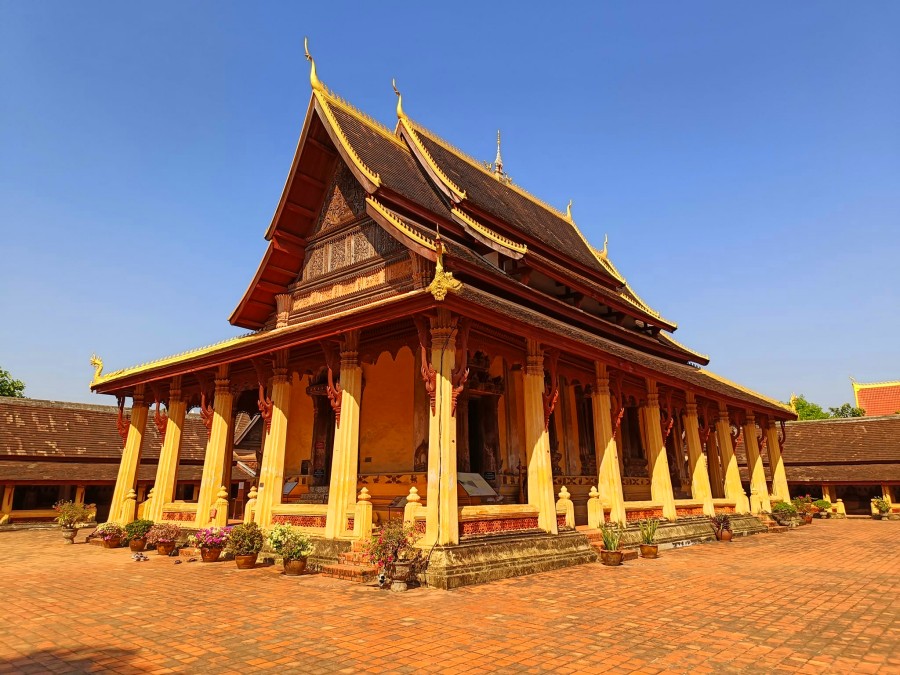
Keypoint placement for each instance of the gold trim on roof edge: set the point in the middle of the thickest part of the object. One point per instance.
(389, 215)
(457, 191)
(875, 385)
(744, 389)
(489, 233)
(351, 151)
(694, 352)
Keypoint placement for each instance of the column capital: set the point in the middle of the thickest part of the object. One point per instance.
(223, 386)
(534, 358)
(750, 418)
(691, 408)
(653, 398)
(137, 396)
(601, 378)
(174, 390)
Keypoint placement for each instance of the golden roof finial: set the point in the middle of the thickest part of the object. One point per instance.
(313, 78)
(605, 250)
(569, 210)
(793, 402)
(443, 281)
(498, 162)
(400, 114)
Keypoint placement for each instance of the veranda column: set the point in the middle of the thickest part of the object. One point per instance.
(700, 487)
(441, 510)
(755, 465)
(660, 479)
(537, 441)
(271, 472)
(716, 479)
(345, 456)
(609, 480)
(780, 489)
(131, 455)
(216, 448)
(734, 491)
(167, 469)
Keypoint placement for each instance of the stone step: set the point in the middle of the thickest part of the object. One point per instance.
(354, 558)
(777, 528)
(356, 573)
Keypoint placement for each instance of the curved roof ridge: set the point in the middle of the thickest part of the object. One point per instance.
(475, 163)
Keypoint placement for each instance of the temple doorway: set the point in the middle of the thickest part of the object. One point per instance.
(478, 437)
(322, 441)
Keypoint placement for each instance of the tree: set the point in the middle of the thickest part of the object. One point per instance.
(807, 410)
(847, 410)
(11, 387)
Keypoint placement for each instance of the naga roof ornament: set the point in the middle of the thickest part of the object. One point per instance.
(314, 81)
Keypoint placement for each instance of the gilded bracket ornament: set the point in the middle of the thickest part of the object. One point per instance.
(443, 281)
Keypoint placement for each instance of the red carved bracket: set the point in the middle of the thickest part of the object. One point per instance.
(617, 417)
(333, 391)
(206, 414)
(265, 407)
(460, 374)
(161, 420)
(429, 375)
(706, 429)
(122, 424)
(737, 433)
(782, 437)
(551, 393)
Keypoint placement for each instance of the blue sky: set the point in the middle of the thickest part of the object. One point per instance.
(744, 159)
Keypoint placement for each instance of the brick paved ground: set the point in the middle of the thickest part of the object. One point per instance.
(825, 598)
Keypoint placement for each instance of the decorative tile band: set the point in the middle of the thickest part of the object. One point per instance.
(179, 516)
(724, 509)
(498, 525)
(643, 514)
(351, 523)
(298, 521)
(685, 511)
(561, 522)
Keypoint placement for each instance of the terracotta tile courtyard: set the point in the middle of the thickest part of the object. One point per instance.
(825, 598)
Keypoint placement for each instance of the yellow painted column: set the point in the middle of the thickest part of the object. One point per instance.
(700, 487)
(167, 469)
(345, 457)
(271, 473)
(660, 479)
(734, 491)
(537, 441)
(441, 506)
(6, 506)
(780, 489)
(755, 465)
(216, 448)
(609, 480)
(716, 479)
(131, 455)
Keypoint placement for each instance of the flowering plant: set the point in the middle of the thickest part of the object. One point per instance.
(138, 529)
(70, 513)
(213, 537)
(804, 505)
(163, 533)
(289, 544)
(882, 504)
(110, 531)
(393, 543)
(245, 539)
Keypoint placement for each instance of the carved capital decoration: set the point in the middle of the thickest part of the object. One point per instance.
(122, 423)
(283, 302)
(551, 391)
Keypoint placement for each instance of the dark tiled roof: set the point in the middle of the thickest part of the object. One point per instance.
(506, 204)
(856, 449)
(685, 373)
(391, 160)
(62, 430)
(88, 472)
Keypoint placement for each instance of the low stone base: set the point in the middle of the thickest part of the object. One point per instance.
(744, 524)
(483, 559)
(670, 535)
(326, 552)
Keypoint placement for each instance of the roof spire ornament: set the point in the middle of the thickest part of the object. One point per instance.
(313, 78)
(569, 210)
(400, 114)
(498, 162)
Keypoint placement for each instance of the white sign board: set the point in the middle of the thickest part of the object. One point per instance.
(475, 485)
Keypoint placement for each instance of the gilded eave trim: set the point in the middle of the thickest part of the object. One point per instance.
(407, 231)
(516, 249)
(456, 193)
(357, 163)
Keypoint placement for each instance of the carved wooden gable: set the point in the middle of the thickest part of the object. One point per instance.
(344, 201)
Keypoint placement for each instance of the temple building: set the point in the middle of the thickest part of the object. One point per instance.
(430, 341)
(53, 450)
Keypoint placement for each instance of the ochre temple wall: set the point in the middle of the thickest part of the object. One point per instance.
(386, 442)
(300, 426)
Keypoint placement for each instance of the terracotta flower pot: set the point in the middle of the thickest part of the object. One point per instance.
(165, 548)
(115, 542)
(210, 554)
(724, 535)
(137, 545)
(612, 558)
(68, 534)
(807, 518)
(246, 562)
(649, 550)
(400, 575)
(294, 568)
(876, 516)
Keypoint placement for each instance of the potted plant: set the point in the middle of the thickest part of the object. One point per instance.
(136, 533)
(882, 506)
(111, 535)
(721, 523)
(648, 534)
(212, 541)
(293, 547)
(784, 513)
(824, 507)
(611, 554)
(245, 543)
(393, 551)
(70, 515)
(163, 536)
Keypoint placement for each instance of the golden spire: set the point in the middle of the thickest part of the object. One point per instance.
(605, 250)
(313, 78)
(400, 114)
(498, 162)
(569, 210)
